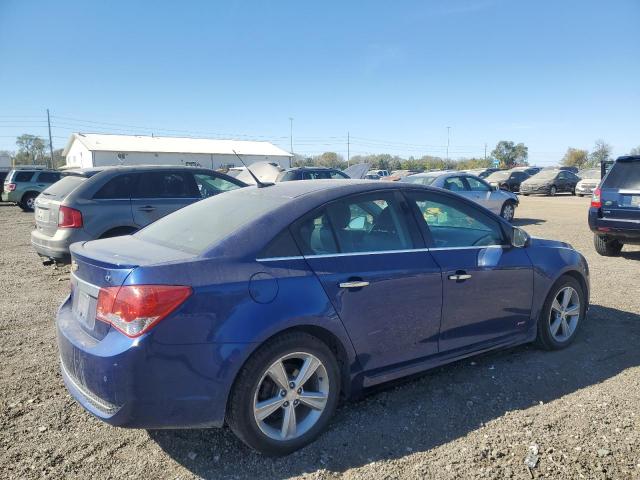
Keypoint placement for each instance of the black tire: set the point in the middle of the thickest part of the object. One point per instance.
(504, 210)
(573, 191)
(27, 203)
(545, 339)
(579, 194)
(240, 414)
(553, 190)
(524, 194)
(606, 247)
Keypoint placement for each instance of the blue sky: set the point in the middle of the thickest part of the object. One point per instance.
(395, 74)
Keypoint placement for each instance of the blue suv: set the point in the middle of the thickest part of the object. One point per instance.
(614, 216)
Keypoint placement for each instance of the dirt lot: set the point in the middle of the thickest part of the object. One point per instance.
(475, 419)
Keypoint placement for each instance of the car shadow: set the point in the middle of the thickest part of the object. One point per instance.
(522, 222)
(631, 255)
(440, 406)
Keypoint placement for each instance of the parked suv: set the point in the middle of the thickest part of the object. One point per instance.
(550, 182)
(507, 179)
(22, 186)
(310, 173)
(614, 215)
(108, 202)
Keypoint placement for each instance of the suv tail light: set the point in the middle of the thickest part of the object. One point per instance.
(69, 217)
(10, 187)
(135, 309)
(596, 202)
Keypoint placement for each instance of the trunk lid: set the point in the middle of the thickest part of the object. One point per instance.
(47, 207)
(98, 264)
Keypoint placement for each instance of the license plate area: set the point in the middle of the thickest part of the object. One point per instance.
(42, 215)
(634, 201)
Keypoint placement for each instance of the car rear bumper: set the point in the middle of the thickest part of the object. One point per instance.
(626, 231)
(543, 189)
(142, 383)
(10, 197)
(56, 246)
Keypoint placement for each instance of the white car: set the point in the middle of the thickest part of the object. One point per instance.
(474, 188)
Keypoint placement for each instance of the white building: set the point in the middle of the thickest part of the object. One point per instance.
(85, 150)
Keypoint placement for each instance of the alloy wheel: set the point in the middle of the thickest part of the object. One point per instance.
(564, 314)
(31, 202)
(508, 212)
(291, 396)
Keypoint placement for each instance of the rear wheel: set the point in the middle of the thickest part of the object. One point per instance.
(285, 394)
(553, 190)
(606, 247)
(28, 202)
(561, 314)
(508, 211)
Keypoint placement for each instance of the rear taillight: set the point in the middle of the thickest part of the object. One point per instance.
(10, 187)
(596, 202)
(69, 218)
(135, 309)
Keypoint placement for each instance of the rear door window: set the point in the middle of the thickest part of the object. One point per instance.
(23, 176)
(166, 185)
(48, 177)
(362, 223)
(316, 175)
(119, 187)
(455, 184)
(476, 185)
(625, 175)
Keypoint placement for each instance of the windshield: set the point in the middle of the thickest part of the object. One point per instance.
(498, 176)
(592, 174)
(545, 175)
(201, 225)
(63, 187)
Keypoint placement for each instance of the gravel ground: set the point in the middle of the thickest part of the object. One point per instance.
(579, 408)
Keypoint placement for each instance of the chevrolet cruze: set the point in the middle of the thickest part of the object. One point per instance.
(261, 307)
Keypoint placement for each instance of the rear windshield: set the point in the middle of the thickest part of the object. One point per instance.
(593, 174)
(201, 225)
(498, 176)
(63, 187)
(422, 180)
(624, 175)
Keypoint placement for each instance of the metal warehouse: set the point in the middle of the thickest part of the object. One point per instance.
(86, 150)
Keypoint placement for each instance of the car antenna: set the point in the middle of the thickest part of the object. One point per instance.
(258, 182)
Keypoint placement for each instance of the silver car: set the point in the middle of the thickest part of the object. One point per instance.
(107, 202)
(474, 188)
(590, 179)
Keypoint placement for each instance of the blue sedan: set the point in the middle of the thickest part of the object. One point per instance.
(262, 307)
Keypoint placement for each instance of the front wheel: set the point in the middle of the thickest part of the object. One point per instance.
(285, 395)
(561, 314)
(508, 211)
(553, 190)
(606, 247)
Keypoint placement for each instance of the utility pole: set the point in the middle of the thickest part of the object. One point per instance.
(485, 151)
(50, 142)
(448, 131)
(291, 137)
(348, 149)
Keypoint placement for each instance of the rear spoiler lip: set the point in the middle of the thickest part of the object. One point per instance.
(75, 251)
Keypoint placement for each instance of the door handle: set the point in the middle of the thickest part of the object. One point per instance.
(148, 208)
(459, 276)
(354, 284)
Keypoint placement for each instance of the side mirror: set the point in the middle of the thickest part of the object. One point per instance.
(519, 238)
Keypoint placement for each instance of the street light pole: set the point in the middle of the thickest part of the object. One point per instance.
(448, 130)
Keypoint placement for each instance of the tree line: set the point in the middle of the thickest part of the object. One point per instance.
(32, 150)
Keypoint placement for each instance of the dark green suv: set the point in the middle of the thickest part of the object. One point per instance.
(23, 185)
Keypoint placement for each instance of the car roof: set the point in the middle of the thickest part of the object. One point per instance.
(310, 168)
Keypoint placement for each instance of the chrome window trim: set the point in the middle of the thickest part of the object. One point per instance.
(377, 252)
